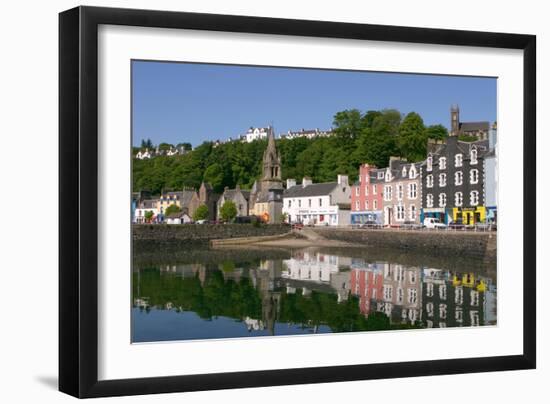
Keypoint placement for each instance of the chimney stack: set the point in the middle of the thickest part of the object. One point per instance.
(343, 179)
(290, 182)
(306, 181)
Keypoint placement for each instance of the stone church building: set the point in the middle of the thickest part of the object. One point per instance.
(266, 196)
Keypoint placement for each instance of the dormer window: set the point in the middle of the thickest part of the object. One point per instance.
(366, 179)
(380, 175)
(429, 163)
(412, 172)
(388, 175)
(404, 172)
(473, 155)
(442, 163)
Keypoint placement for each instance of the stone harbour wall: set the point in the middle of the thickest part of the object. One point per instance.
(467, 244)
(202, 233)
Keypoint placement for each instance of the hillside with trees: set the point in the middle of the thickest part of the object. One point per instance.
(370, 137)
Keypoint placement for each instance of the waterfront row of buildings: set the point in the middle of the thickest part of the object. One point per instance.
(457, 183)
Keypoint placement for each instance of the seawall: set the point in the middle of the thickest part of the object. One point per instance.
(467, 244)
(202, 233)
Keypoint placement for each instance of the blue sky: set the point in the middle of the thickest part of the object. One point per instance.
(184, 102)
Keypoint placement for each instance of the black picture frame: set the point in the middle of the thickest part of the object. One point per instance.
(78, 196)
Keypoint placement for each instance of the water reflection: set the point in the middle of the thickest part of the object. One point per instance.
(312, 291)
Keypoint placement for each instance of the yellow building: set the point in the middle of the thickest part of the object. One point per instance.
(469, 216)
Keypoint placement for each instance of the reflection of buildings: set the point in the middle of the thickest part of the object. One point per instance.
(317, 271)
(453, 299)
(401, 298)
(366, 283)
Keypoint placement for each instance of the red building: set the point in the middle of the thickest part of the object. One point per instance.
(366, 196)
(367, 283)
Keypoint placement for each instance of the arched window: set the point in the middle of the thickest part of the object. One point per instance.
(474, 198)
(404, 171)
(458, 160)
(458, 178)
(429, 163)
(458, 198)
(473, 155)
(429, 181)
(442, 180)
(429, 200)
(474, 176)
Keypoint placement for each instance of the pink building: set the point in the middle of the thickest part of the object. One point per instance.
(366, 196)
(367, 283)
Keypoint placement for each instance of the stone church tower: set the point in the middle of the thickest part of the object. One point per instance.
(266, 195)
(455, 120)
(271, 171)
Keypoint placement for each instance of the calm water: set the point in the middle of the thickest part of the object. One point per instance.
(180, 295)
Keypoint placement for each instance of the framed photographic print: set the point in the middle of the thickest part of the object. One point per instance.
(251, 201)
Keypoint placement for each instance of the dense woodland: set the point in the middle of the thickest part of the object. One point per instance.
(370, 137)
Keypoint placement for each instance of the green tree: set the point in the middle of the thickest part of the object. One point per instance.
(228, 211)
(146, 144)
(201, 213)
(172, 209)
(214, 175)
(165, 146)
(379, 141)
(437, 132)
(347, 124)
(148, 215)
(412, 138)
(186, 146)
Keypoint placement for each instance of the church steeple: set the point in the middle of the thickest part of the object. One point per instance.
(272, 161)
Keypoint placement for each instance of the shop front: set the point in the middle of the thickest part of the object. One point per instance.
(469, 216)
(438, 213)
(366, 217)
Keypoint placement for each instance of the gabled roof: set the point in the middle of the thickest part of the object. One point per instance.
(297, 191)
(473, 126)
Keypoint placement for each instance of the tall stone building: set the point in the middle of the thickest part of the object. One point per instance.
(266, 196)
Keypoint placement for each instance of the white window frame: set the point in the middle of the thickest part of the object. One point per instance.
(442, 180)
(357, 190)
(412, 212)
(442, 163)
(412, 190)
(442, 200)
(387, 192)
(375, 204)
(429, 200)
(374, 189)
(458, 160)
(459, 199)
(400, 192)
(429, 181)
(429, 163)
(366, 204)
(459, 177)
(473, 155)
(474, 176)
(474, 198)
(400, 212)
(357, 207)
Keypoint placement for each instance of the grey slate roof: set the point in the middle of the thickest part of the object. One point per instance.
(323, 188)
(473, 126)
